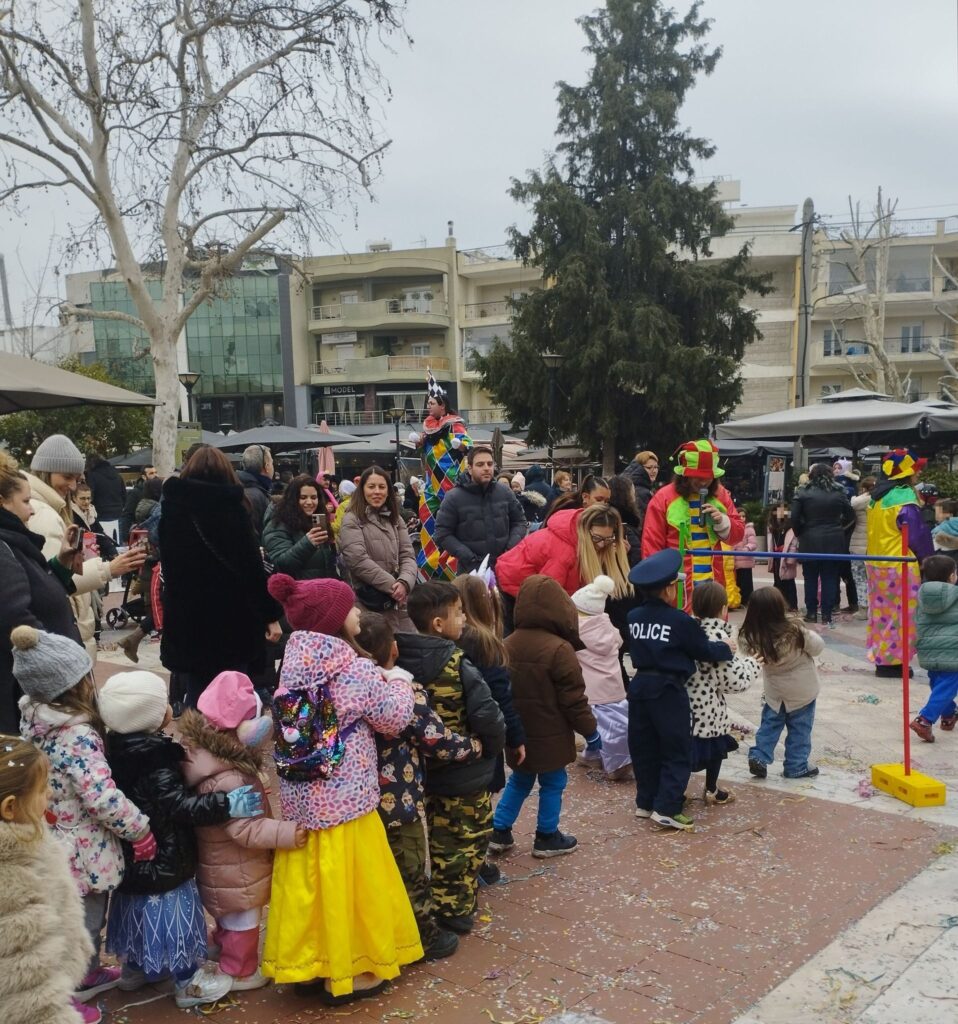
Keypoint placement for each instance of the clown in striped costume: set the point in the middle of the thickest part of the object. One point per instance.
(444, 442)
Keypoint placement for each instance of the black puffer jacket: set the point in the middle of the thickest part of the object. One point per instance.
(462, 700)
(147, 768)
(108, 489)
(215, 601)
(536, 481)
(31, 594)
(641, 481)
(257, 494)
(821, 519)
(475, 520)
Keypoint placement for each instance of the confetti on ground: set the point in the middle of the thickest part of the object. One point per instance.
(942, 849)
(865, 789)
(868, 698)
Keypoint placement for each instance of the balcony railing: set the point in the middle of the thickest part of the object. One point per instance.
(347, 312)
(402, 364)
(489, 254)
(362, 418)
(894, 346)
(481, 310)
(494, 414)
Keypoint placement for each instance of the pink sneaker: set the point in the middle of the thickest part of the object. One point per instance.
(101, 979)
(89, 1014)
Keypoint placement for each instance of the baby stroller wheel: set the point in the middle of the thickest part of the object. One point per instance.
(116, 618)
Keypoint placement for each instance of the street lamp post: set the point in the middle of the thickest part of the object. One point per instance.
(189, 381)
(396, 415)
(552, 361)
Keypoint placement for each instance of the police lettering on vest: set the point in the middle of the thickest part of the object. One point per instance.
(650, 631)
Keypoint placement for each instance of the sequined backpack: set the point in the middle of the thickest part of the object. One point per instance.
(310, 745)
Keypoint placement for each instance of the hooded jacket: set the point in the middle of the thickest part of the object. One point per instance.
(547, 684)
(641, 481)
(48, 521)
(148, 767)
(92, 813)
(858, 542)
(476, 520)
(552, 551)
(235, 865)
(713, 679)
(44, 944)
(215, 601)
(461, 698)
(365, 702)
(599, 659)
(32, 594)
(945, 538)
(748, 543)
(536, 481)
(937, 626)
(533, 505)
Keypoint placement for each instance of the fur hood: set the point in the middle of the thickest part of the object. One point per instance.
(223, 747)
(537, 499)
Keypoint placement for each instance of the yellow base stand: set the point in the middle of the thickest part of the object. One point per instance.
(916, 789)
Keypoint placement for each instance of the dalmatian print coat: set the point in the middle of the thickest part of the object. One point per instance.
(712, 680)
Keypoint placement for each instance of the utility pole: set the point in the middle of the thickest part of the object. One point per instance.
(802, 376)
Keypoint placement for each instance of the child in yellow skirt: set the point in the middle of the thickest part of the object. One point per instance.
(338, 912)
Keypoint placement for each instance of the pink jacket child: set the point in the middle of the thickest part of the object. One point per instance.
(788, 567)
(223, 741)
(603, 678)
(747, 543)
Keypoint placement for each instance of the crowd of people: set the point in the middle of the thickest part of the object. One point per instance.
(389, 685)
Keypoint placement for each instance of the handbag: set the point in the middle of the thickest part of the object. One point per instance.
(373, 598)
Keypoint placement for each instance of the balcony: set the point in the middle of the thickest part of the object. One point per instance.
(482, 310)
(896, 348)
(375, 369)
(478, 417)
(367, 316)
(362, 418)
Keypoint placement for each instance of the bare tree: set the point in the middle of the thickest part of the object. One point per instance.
(868, 239)
(190, 130)
(31, 334)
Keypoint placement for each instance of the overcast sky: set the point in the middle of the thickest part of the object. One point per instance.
(820, 98)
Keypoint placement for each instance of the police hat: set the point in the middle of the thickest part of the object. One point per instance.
(656, 571)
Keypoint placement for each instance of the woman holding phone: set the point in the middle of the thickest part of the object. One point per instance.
(296, 537)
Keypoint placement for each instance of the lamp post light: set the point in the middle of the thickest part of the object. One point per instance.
(189, 381)
(552, 361)
(397, 416)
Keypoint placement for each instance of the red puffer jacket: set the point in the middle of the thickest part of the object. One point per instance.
(552, 551)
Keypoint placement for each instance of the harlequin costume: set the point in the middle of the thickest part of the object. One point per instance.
(894, 505)
(672, 521)
(444, 444)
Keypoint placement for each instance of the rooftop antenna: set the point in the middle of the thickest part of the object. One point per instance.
(449, 231)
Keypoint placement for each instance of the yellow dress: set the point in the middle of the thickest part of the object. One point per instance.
(339, 908)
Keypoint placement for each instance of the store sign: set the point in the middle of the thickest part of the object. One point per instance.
(342, 389)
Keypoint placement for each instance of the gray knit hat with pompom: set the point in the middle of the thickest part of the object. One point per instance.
(46, 664)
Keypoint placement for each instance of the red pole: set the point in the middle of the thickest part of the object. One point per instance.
(905, 647)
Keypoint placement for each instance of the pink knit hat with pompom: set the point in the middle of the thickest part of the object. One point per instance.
(317, 606)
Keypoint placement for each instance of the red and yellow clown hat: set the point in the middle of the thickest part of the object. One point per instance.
(901, 463)
(698, 460)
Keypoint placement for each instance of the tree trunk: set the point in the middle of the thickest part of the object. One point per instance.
(167, 413)
(608, 452)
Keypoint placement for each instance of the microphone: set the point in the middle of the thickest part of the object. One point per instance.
(703, 497)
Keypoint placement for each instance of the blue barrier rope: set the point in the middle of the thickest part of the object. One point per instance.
(739, 553)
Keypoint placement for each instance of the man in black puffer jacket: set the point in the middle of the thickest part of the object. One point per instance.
(479, 517)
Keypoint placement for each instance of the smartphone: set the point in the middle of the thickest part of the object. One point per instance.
(74, 537)
(319, 519)
(91, 548)
(140, 539)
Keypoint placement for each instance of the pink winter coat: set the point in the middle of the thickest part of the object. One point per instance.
(747, 543)
(600, 659)
(551, 551)
(235, 865)
(788, 567)
(366, 703)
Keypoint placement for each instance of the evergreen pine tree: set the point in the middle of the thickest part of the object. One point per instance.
(652, 337)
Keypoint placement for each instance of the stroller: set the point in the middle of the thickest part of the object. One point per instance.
(132, 605)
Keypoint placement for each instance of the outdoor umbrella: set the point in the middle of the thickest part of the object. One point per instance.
(28, 384)
(281, 439)
(144, 456)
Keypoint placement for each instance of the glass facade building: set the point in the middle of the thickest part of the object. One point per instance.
(122, 348)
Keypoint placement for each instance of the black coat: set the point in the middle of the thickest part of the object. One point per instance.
(109, 491)
(257, 494)
(31, 594)
(215, 603)
(536, 481)
(475, 520)
(821, 520)
(641, 481)
(147, 768)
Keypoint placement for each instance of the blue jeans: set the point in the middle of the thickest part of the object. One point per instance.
(941, 703)
(798, 738)
(519, 786)
(828, 573)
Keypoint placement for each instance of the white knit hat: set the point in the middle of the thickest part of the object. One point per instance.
(133, 702)
(346, 488)
(57, 454)
(591, 599)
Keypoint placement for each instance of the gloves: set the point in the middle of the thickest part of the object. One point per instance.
(144, 848)
(244, 802)
(593, 743)
(414, 437)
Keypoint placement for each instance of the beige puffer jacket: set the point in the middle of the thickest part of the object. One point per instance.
(377, 552)
(48, 521)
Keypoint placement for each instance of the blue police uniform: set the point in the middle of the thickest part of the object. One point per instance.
(664, 644)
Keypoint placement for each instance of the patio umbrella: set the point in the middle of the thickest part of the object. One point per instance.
(144, 456)
(28, 384)
(326, 463)
(282, 439)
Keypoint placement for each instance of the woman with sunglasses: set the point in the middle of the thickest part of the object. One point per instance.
(574, 547)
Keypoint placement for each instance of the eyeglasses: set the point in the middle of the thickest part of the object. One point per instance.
(601, 542)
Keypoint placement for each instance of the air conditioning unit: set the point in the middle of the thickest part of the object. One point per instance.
(379, 245)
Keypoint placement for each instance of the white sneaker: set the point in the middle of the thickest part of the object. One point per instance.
(205, 986)
(251, 981)
(641, 812)
(589, 757)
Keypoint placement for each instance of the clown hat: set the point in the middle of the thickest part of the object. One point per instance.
(433, 387)
(698, 460)
(901, 463)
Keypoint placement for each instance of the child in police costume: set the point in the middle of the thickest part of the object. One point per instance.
(664, 644)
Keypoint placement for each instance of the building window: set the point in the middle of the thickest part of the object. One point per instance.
(834, 341)
(420, 348)
(830, 389)
(911, 340)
